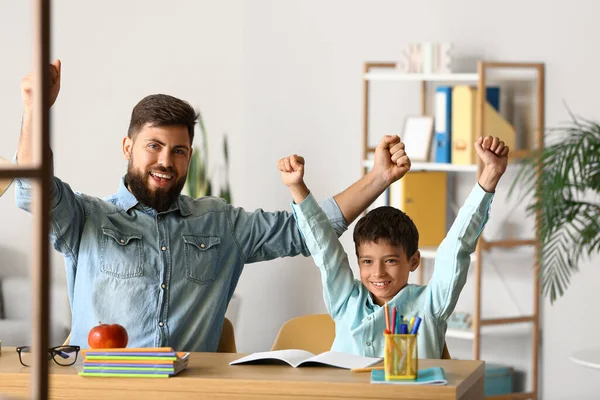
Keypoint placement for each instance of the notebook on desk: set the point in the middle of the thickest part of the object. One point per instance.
(298, 358)
(134, 362)
(429, 376)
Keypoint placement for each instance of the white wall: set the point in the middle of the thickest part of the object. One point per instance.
(284, 77)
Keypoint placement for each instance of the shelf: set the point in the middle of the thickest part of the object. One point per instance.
(506, 330)
(473, 77)
(398, 76)
(443, 167)
(431, 166)
(431, 252)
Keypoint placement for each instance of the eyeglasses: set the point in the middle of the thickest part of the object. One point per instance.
(62, 355)
(4, 182)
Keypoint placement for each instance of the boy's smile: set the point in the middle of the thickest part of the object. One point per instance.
(384, 269)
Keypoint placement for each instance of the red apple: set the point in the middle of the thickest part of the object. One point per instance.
(107, 336)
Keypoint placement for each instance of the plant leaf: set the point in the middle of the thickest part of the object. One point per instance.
(562, 177)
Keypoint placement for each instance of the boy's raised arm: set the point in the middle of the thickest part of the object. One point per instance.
(454, 253)
(321, 240)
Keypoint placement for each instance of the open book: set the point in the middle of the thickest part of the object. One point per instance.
(429, 376)
(297, 358)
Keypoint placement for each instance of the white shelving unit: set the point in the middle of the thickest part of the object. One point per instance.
(431, 166)
(431, 252)
(486, 72)
(515, 75)
(492, 330)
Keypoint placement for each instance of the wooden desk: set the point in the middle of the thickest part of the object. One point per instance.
(209, 376)
(587, 357)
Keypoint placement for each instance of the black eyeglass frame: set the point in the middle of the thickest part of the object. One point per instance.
(60, 351)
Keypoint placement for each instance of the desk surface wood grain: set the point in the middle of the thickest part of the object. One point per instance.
(210, 376)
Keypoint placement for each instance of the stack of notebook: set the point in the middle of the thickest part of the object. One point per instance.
(161, 362)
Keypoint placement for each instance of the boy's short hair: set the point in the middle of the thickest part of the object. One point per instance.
(388, 224)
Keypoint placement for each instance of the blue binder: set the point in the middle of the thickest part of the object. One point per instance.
(492, 94)
(442, 118)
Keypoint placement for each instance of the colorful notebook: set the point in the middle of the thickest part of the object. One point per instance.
(134, 362)
(429, 376)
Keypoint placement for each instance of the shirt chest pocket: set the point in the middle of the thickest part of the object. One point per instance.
(121, 254)
(201, 257)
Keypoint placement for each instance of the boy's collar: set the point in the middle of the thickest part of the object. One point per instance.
(371, 303)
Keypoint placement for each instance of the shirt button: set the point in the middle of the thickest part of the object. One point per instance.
(368, 343)
(163, 286)
(160, 323)
(202, 245)
(369, 317)
(164, 248)
(122, 241)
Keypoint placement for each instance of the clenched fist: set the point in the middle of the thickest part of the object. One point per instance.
(292, 170)
(27, 86)
(391, 160)
(494, 154)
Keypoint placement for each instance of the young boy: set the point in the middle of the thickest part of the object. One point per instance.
(386, 242)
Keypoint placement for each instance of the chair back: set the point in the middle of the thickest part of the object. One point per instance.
(314, 333)
(446, 353)
(227, 342)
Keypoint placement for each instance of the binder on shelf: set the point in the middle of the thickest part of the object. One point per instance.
(492, 94)
(442, 116)
(465, 119)
(423, 196)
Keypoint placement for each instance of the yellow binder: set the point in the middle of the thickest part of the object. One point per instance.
(464, 125)
(423, 197)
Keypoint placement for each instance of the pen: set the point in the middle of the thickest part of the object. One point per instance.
(415, 328)
(412, 324)
(403, 329)
(394, 316)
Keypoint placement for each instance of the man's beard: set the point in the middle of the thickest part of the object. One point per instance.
(158, 199)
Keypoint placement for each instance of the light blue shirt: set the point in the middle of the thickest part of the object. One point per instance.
(167, 277)
(359, 322)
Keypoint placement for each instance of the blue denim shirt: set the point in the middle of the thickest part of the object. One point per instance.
(167, 277)
(359, 322)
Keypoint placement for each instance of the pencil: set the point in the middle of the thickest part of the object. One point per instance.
(369, 369)
(387, 316)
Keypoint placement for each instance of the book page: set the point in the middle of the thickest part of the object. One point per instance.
(292, 357)
(344, 360)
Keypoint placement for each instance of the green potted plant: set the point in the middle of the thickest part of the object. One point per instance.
(198, 181)
(567, 196)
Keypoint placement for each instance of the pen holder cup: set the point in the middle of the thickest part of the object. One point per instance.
(400, 358)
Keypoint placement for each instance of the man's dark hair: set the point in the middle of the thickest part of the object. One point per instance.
(162, 110)
(390, 225)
